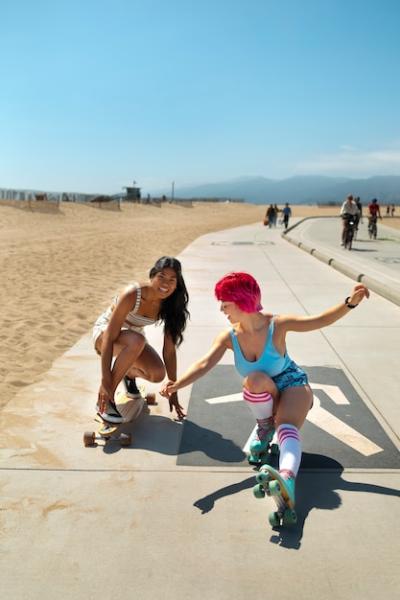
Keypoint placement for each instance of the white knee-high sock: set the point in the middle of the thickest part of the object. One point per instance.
(290, 449)
(261, 405)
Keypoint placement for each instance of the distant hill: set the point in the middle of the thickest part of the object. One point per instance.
(307, 189)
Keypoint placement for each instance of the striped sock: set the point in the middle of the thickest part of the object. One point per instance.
(290, 450)
(261, 405)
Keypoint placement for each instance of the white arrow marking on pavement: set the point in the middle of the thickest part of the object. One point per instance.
(228, 398)
(333, 391)
(321, 418)
(334, 426)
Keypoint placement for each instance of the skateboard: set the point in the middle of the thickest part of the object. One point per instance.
(107, 431)
(130, 408)
(270, 483)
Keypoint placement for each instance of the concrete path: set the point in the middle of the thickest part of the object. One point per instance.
(174, 515)
(374, 262)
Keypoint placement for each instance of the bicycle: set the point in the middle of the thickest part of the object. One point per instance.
(349, 230)
(372, 227)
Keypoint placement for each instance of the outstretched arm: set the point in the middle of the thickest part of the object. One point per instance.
(299, 323)
(200, 367)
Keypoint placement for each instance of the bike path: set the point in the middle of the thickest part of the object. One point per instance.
(374, 262)
(174, 514)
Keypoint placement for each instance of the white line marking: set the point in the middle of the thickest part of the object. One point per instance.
(222, 399)
(333, 391)
(334, 426)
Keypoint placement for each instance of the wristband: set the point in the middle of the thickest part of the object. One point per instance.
(347, 303)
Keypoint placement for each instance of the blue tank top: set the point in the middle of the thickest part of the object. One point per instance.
(270, 362)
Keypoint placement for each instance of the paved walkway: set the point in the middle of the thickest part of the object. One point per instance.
(173, 515)
(374, 262)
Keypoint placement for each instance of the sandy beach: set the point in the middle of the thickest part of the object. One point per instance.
(60, 267)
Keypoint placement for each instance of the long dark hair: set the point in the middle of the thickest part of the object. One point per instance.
(173, 310)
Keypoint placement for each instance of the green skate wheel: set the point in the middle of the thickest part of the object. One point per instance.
(274, 519)
(262, 476)
(258, 491)
(274, 449)
(253, 459)
(274, 488)
(289, 517)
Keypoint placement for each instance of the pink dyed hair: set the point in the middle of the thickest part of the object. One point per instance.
(240, 288)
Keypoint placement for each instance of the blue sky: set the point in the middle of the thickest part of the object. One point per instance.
(95, 94)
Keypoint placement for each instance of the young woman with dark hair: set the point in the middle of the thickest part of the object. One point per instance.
(275, 389)
(119, 333)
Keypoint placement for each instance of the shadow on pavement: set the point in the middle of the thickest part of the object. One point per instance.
(313, 490)
(163, 435)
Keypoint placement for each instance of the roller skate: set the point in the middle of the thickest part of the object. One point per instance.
(261, 445)
(271, 483)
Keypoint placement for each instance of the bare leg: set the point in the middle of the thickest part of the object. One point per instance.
(135, 356)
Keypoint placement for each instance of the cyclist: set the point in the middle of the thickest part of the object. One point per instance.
(374, 213)
(349, 209)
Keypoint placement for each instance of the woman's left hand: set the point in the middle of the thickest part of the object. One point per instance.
(359, 293)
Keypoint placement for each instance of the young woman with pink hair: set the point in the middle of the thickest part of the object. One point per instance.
(274, 387)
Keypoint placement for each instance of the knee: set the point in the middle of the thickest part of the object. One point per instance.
(157, 375)
(258, 382)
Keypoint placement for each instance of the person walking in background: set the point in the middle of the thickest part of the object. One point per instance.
(392, 210)
(275, 388)
(388, 210)
(287, 213)
(359, 206)
(119, 332)
(270, 215)
(276, 214)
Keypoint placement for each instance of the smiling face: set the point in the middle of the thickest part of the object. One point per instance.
(164, 282)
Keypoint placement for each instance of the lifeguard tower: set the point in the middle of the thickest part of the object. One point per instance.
(132, 193)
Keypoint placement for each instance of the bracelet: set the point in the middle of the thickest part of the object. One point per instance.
(347, 303)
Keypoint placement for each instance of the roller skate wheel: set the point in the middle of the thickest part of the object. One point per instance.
(253, 460)
(258, 491)
(274, 519)
(274, 488)
(289, 517)
(262, 476)
(89, 438)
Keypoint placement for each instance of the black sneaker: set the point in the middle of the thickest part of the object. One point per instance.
(132, 389)
(111, 415)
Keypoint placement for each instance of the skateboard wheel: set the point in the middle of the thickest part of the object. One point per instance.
(125, 439)
(89, 438)
(274, 519)
(274, 488)
(258, 491)
(289, 517)
(151, 399)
